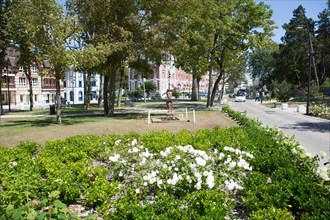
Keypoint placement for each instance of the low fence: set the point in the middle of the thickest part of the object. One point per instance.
(181, 115)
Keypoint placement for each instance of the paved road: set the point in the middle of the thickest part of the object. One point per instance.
(312, 133)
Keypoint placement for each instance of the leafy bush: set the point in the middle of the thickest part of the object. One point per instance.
(281, 90)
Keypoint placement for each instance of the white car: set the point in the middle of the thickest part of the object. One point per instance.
(240, 98)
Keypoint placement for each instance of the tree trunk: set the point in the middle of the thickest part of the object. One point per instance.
(87, 89)
(29, 77)
(215, 87)
(99, 99)
(121, 85)
(220, 62)
(1, 108)
(215, 41)
(112, 93)
(195, 88)
(58, 102)
(105, 96)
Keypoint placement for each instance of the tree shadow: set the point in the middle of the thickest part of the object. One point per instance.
(323, 127)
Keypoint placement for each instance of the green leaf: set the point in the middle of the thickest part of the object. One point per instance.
(57, 203)
(54, 194)
(41, 216)
(32, 215)
(9, 208)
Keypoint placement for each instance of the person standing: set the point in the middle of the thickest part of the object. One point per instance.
(169, 102)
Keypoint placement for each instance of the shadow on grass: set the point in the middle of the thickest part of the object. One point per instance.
(45, 122)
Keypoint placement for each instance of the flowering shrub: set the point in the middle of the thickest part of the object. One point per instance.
(176, 171)
(320, 110)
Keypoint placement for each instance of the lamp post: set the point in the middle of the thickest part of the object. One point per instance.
(311, 53)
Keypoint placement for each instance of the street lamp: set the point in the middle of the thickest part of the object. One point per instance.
(311, 54)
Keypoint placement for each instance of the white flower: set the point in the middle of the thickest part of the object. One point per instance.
(198, 185)
(322, 154)
(164, 166)
(177, 157)
(228, 160)
(210, 180)
(159, 183)
(137, 191)
(231, 165)
(198, 175)
(120, 174)
(13, 164)
(114, 158)
(174, 179)
(231, 185)
(145, 183)
(134, 150)
(188, 179)
(117, 142)
(134, 142)
(143, 161)
(249, 155)
(200, 161)
(221, 156)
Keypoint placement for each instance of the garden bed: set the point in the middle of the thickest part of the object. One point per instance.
(240, 172)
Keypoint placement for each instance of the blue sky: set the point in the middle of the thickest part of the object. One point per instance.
(283, 12)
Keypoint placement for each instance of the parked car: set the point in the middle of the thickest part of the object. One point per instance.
(240, 98)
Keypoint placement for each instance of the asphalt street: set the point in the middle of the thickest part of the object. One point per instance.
(312, 133)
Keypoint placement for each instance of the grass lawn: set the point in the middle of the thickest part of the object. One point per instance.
(21, 126)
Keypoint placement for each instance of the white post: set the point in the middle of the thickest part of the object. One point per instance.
(194, 116)
(186, 113)
(149, 117)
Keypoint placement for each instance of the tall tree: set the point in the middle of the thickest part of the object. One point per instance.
(58, 29)
(323, 43)
(292, 60)
(261, 62)
(123, 28)
(245, 24)
(5, 38)
(25, 30)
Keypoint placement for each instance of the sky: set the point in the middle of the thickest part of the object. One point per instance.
(283, 12)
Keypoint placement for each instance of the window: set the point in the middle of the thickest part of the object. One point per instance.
(34, 69)
(22, 98)
(35, 98)
(80, 84)
(80, 96)
(64, 84)
(93, 83)
(21, 81)
(34, 81)
(21, 69)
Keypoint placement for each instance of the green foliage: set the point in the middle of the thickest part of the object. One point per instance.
(281, 182)
(281, 90)
(271, 213)
(283, 176)
(320, 110)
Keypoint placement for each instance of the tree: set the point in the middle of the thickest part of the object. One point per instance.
(25, 31)
(5, 12)
(240, 20)
(261, 62)
(323, 43)
(292, 59)
(126, 29)
(57, 30)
